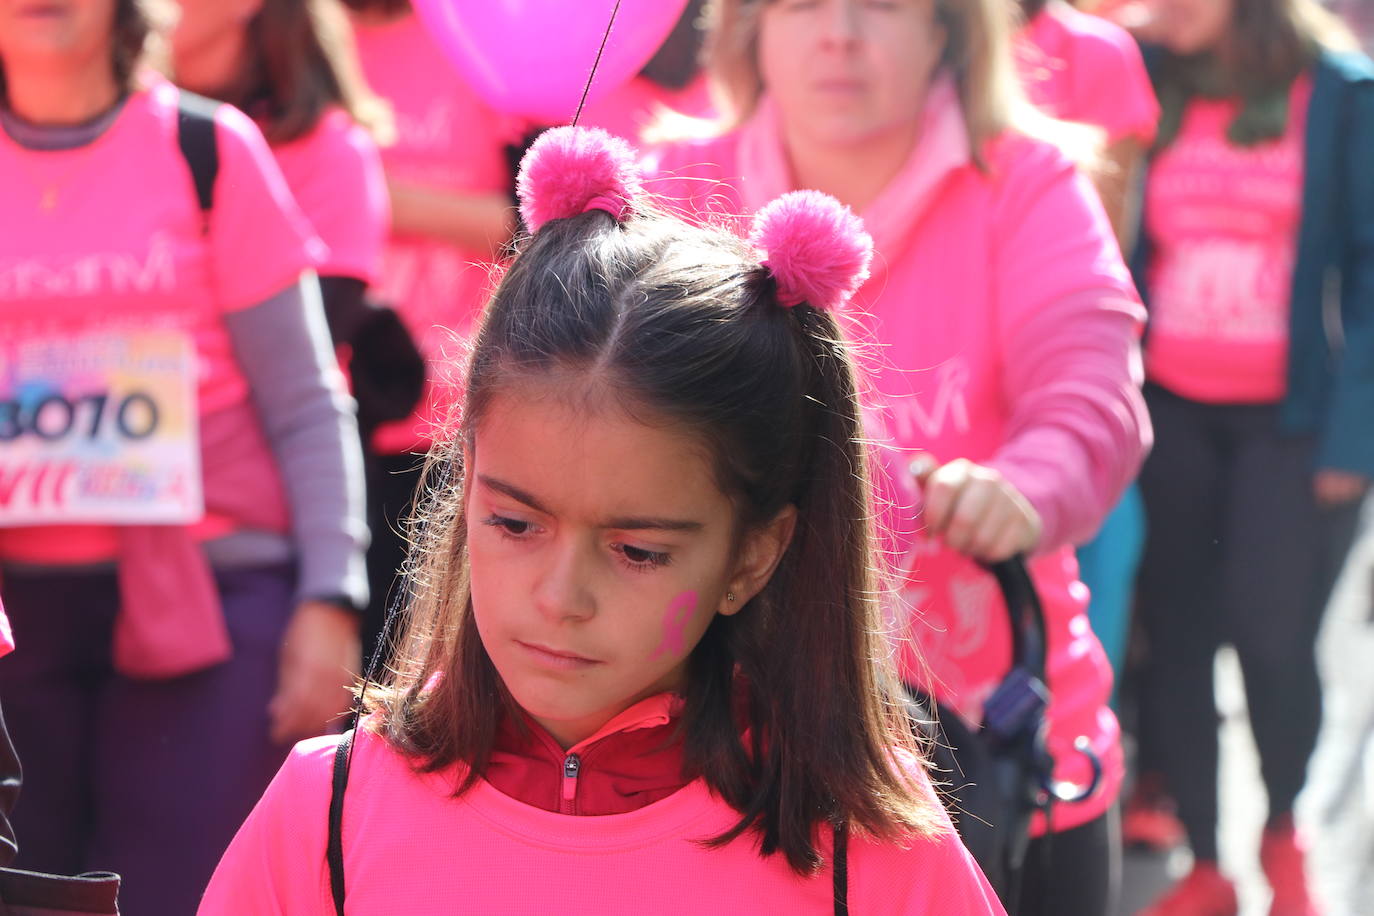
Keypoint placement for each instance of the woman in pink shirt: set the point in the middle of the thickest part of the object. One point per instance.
(180, 485)
(449, 179)
(643, 670)
(1257, 267)
(293, 68)
(1002, 327)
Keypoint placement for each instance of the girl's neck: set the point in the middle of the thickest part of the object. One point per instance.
(61, 97)
(854, 174)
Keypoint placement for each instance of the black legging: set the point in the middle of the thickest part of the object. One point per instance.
(1074, 873)
(1238, 552)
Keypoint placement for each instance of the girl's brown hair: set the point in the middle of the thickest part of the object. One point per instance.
(681, 325)
(977, 53)
(136, 40)
(302, 61)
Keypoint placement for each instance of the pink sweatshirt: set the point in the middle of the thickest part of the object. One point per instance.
(1003, 328)
(411, 847)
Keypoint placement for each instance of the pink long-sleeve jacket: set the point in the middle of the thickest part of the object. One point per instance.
(999, 325)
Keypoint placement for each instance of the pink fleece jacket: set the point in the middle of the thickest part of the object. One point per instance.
(1000, 326)
(410, 847)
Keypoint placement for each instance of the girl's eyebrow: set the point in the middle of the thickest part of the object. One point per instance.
(629, 523)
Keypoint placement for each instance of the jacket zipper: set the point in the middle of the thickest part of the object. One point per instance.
(572, 766)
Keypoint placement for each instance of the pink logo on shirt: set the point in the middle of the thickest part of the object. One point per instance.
(675, 620)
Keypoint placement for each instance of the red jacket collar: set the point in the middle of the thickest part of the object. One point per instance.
(635, 759)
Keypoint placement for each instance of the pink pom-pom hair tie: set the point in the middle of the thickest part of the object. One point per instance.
(815, 247)
(570, 170)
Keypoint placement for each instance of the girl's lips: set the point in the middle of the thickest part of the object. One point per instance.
(555, 658)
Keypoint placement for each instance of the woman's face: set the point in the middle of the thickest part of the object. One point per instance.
(600, 550)
(1192, 26)
(844, 72)
(54, 33)
(204, 24)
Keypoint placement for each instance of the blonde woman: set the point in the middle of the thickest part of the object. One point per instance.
(1005, 328)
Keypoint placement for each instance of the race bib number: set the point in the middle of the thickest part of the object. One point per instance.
(99, 428)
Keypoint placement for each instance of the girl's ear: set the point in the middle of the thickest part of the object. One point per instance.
(761, 551)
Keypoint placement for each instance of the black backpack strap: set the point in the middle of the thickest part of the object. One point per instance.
(840, 869)
(196, 137)
(333, 852)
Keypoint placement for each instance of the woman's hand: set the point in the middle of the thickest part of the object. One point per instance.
(320, 657)
(975, 510)
(1337, 488)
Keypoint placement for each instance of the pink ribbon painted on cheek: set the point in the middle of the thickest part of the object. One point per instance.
(675, 620)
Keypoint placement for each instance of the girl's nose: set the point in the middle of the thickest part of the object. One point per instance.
(562, 592)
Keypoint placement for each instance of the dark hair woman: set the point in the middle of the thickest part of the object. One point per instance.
(1256, 263)
(178, 585)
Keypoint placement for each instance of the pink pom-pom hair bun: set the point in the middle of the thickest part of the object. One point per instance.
(570, 170)
(815, 247)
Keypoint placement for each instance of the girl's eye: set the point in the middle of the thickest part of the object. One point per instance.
(508, 527)
(639, 559)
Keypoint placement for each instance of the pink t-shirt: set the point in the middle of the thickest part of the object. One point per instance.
(449, 140)
(335, 174)
(1000, 326)
(1223, 222)
(410, 847)
(121, 251)
(1083, 68)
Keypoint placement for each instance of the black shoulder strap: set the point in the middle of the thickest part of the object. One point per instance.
(840, 869)
(334, 850)
(196, 137)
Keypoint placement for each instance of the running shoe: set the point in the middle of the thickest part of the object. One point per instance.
(1204, 892)
(1283, 857)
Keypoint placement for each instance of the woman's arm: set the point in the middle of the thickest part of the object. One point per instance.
(283, 347)
(480, 222)
(1069, 325)
(1347, 442)
(1115, 179)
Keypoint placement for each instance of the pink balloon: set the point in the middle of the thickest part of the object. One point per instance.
(532, 57)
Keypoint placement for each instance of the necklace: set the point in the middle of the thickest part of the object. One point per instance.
(50, 186)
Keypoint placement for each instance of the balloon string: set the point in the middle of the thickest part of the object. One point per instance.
(595, 64)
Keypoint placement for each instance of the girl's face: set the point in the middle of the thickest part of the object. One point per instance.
(55, 33)
(1192, 26)
(600, 550)
(845, 71)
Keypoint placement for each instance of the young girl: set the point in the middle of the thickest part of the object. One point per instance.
(646, 594)
(1005, 327)
(166, 667)
(1255, 261)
